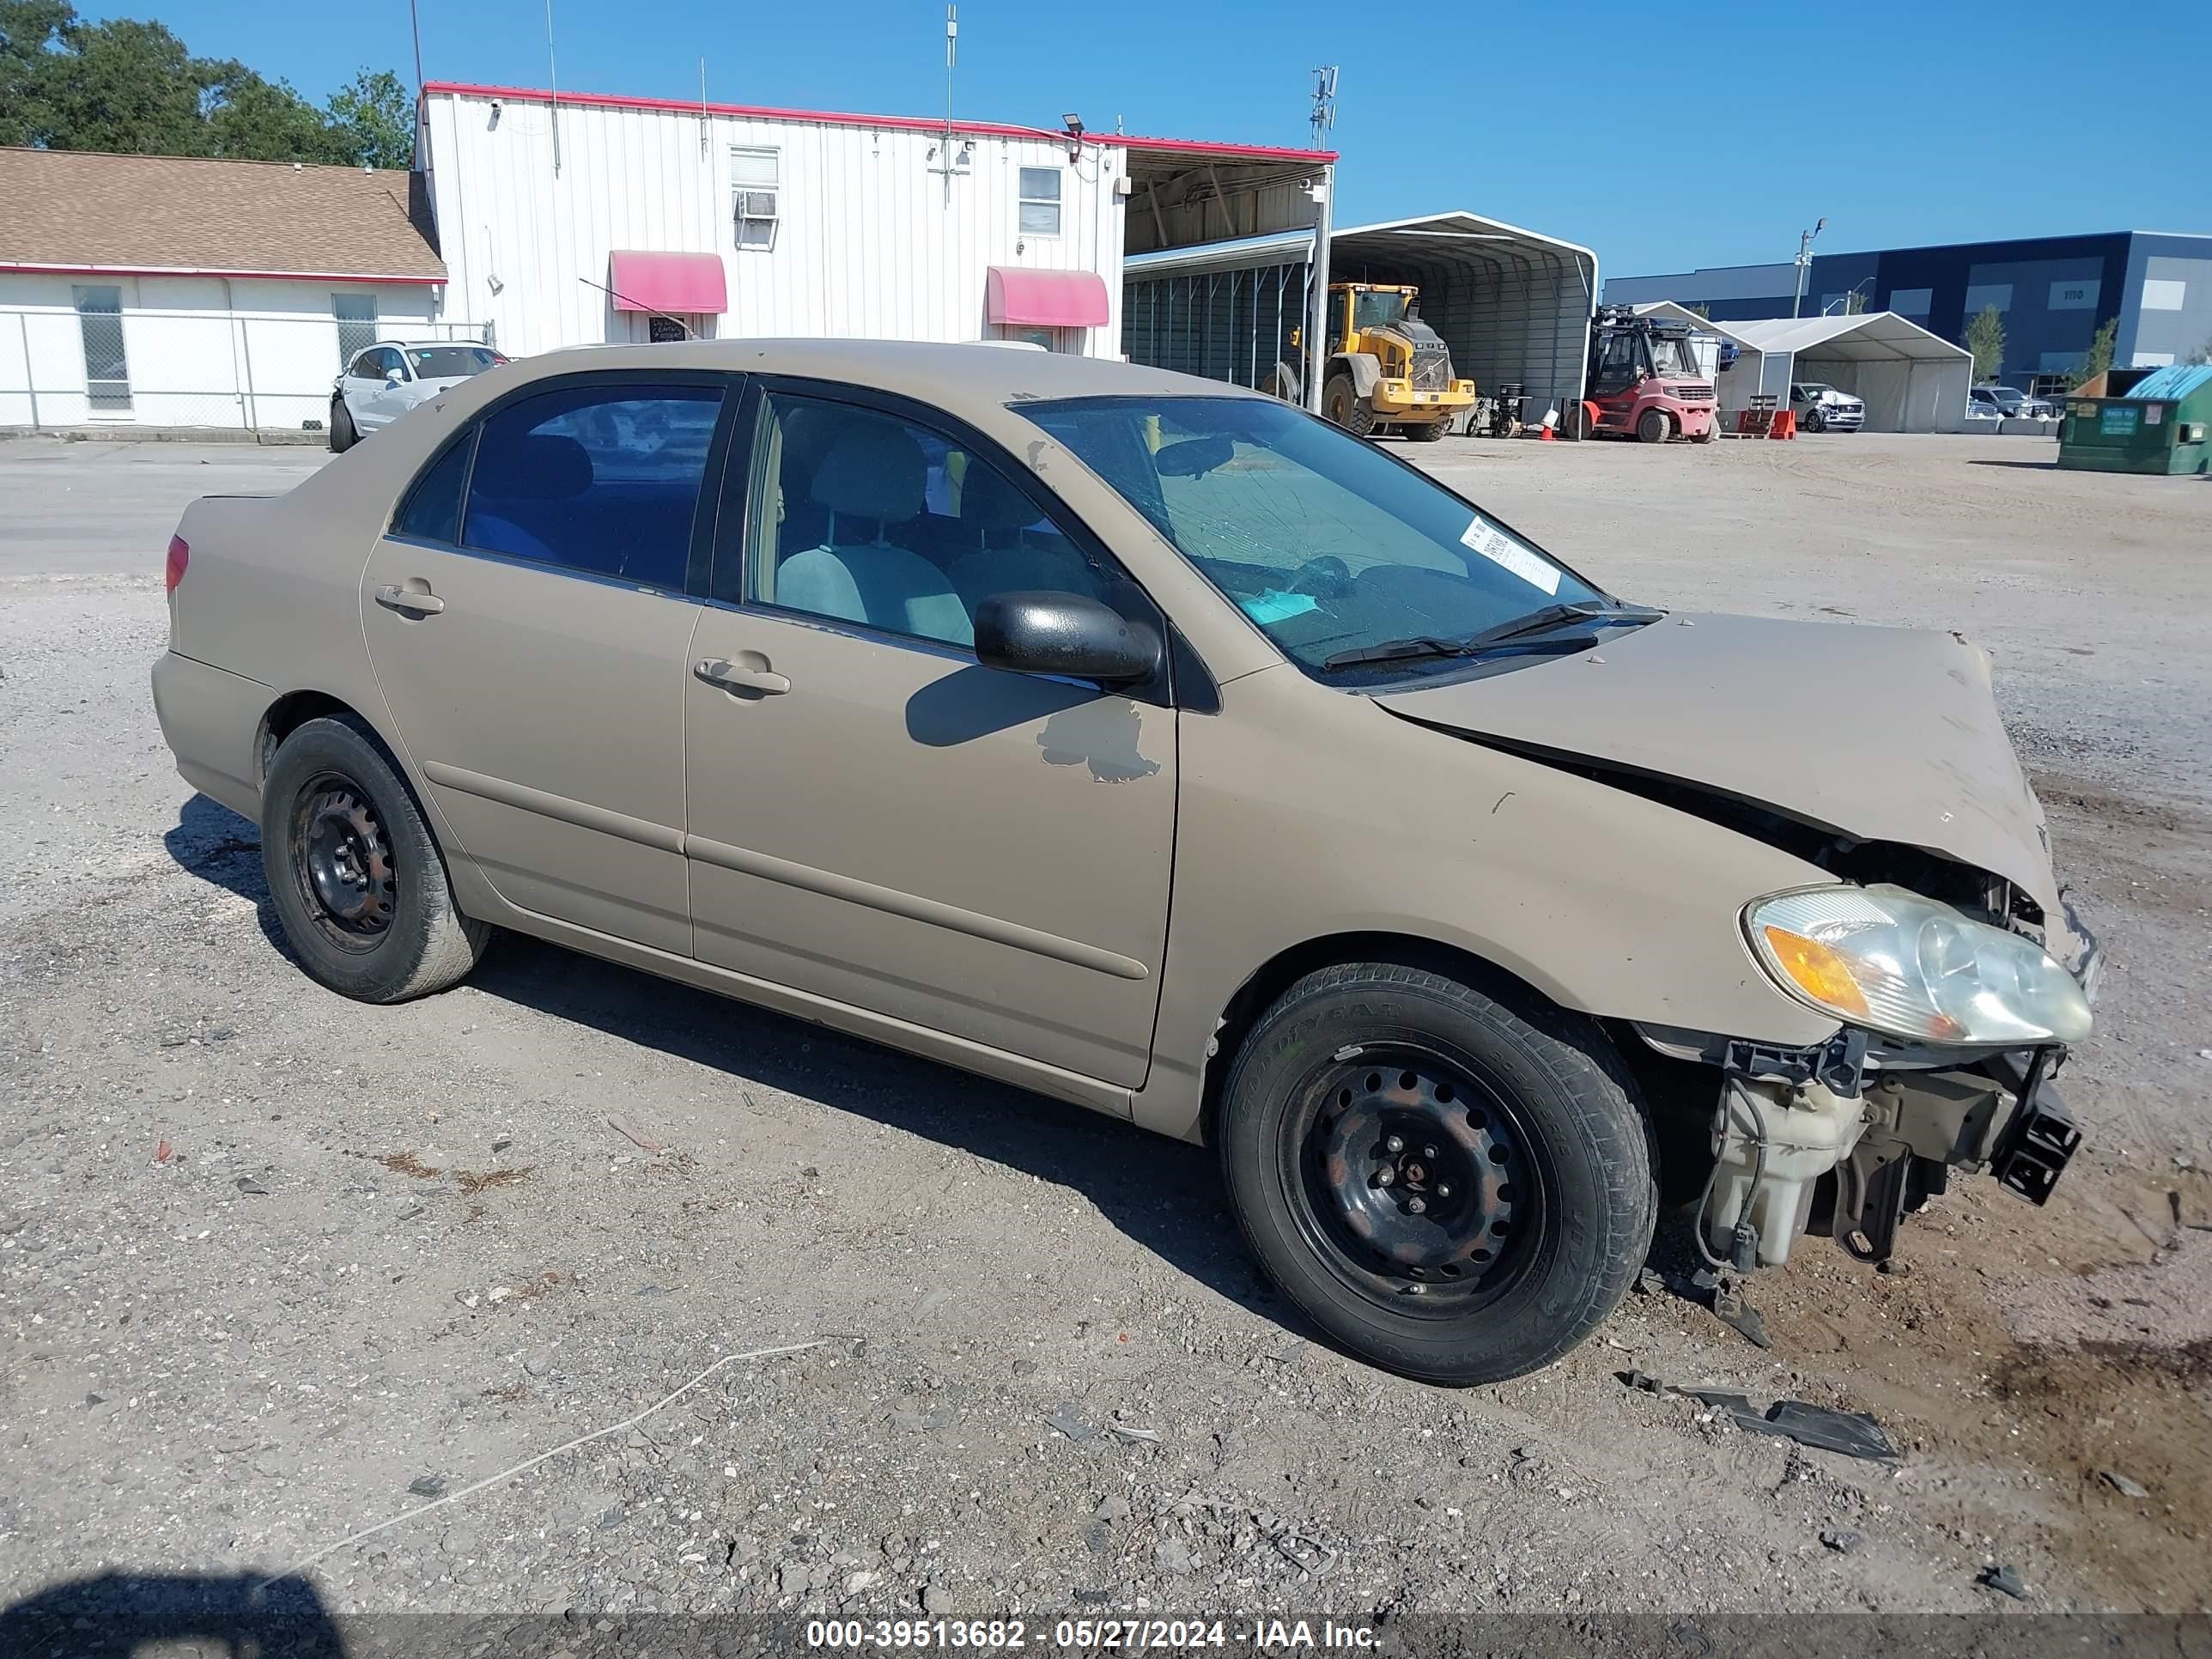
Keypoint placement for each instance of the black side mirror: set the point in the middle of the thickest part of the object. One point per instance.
(1067, 634)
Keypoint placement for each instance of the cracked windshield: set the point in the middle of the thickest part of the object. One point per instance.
(1329, 545)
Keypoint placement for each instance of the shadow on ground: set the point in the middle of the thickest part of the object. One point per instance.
(118, 1615)
(1162, 1193)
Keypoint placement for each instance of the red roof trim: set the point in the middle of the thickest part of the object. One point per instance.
(895, 123)
(12, 268)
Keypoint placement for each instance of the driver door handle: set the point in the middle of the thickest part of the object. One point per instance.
(762, 682)
(409, 602)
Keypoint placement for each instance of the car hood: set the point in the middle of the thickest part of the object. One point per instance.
(1874, 733)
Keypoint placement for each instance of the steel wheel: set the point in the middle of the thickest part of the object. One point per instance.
(342, 859)
(1414, 1181)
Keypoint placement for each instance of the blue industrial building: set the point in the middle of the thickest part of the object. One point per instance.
(2054, 292)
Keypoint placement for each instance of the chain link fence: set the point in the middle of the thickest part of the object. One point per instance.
(102, 364)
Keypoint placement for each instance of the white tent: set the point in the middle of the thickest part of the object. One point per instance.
(1911, 380)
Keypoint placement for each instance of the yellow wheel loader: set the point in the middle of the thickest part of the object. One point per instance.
(1386, 370)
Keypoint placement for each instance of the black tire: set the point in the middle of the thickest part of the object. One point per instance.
(1539, 1117)
(357, 878)
(1712, 430)
(1343, 405)
(1652, 427)
(343, 436)
(1814, 422)
(1433, 432)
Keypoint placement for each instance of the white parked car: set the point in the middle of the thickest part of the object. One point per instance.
(1821, 407)
(386, 380)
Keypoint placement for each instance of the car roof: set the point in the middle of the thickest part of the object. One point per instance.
(969, 378)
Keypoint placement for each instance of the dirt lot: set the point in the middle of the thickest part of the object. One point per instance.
(275, 1268)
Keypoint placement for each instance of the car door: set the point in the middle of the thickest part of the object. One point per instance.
(372, 388)
(528, 618)
(362, 381)
(875, 818)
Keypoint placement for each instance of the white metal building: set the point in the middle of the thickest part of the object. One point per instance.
(1911, 380)
(590, 218)
(1513, 305)
(176, 291)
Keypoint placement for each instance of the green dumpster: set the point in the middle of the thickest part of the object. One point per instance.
(2164, 425)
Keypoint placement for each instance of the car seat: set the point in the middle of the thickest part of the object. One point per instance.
(1004, 560)
(873, 477)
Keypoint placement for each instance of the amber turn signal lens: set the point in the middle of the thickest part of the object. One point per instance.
(1817, 970)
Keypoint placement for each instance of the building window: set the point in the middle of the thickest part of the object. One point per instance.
(1980, 296)
(1911, 301)
(1040, 203)
(2164, 294)
(757, 194)
(107, 369)
(356, 315)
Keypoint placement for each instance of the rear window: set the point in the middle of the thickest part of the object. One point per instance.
(601, 479)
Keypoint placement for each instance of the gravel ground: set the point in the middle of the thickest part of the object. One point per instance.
(275, 1268)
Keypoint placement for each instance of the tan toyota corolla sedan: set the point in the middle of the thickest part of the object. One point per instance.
(1149, 743)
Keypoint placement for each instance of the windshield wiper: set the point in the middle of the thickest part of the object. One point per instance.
(1536, 622)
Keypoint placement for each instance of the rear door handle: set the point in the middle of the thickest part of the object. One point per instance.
(408, 602)
(762, 681)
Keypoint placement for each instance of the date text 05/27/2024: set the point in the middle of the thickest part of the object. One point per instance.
(1087, 1635)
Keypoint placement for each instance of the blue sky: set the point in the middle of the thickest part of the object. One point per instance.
(1663, 146)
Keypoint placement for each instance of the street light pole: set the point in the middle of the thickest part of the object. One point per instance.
(1805, 261)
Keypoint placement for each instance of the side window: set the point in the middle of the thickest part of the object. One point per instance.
(602, 479)
(433, 508)
(865, 518)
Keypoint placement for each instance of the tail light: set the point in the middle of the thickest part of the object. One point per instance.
(179, 556)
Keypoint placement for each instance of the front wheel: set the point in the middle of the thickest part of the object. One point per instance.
(1453, 1186)
(1342, 404)
(353, 872)
(1652, 426)
(1814, 422)
(1430, 434)
(343, 435)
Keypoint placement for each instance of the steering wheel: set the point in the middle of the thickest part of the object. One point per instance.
(1325, 578)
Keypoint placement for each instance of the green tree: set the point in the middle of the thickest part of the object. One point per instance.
(252, 119)
(372, 119)
(1985, 339)
(2098, 357)
(132, 86)
(29, 30)
(121, 85)
(2202, 355)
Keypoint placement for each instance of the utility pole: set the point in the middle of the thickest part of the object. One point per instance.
(1805, 261)
(1323, 191)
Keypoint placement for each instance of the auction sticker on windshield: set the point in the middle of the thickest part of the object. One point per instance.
(1501, 550)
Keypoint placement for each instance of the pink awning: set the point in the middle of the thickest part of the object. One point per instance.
(679, 283)
(1046, 299)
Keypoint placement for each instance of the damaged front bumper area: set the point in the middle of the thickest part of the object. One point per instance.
(1848, 1138)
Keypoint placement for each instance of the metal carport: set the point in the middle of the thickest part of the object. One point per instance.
(1910, 379)
(1513, 305)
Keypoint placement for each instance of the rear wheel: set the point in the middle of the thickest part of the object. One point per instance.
(343, 436)
(1652, 426)
(353, 872)
(1453, 1187)
(1343, 405)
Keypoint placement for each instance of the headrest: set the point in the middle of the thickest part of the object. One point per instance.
(874, 470)
(541, 466)
(989, 501)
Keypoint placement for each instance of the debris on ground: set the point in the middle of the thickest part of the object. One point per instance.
(1854, 1434)
(1068, 1420)
(2122, 1485)
(1842, 1540)
(248, 1185)
(473, 1182)
(428, 1486)
(1739, 1316)
(636, 1136)
(2005, 1580)
(406, 1163)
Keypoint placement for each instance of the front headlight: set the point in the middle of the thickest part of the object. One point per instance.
(1907, 967)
